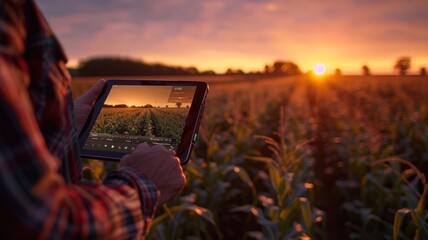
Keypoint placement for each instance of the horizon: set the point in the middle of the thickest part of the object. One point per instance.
(246, 35)
(328, 71)
(124, 105)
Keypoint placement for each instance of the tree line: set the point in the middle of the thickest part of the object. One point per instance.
(123, 66)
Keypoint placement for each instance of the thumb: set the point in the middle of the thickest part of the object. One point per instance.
(91, 95)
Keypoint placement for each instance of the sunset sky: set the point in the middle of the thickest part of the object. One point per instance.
(143, 95)
(246, 34)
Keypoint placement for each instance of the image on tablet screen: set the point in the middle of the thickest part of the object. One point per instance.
(141, 114)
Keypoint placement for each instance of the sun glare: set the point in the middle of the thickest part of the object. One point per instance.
(319, 69)
(73, 63)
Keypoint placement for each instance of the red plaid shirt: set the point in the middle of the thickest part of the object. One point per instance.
(40, 193)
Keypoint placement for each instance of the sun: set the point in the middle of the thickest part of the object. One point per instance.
(319, 69)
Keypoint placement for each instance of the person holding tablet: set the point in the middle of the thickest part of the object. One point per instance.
(41, 193)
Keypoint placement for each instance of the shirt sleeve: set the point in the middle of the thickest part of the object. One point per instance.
(35, 199)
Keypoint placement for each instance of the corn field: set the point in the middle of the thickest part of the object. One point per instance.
(159, 122)
(343, 157)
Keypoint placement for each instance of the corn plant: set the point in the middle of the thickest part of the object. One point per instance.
(286, 210)
(415, 202)
(253, 173)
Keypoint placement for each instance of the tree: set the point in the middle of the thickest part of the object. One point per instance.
(366, 70)
(423, 71)
(123, 66)
(266, 69)
(338, 72)
(121, 106)
(402, 65)
(285, 68)
(192, 70)
(229, 71)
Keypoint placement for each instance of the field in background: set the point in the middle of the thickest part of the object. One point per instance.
(336, 158)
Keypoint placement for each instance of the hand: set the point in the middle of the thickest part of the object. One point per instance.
(160, 165)
(84, 103)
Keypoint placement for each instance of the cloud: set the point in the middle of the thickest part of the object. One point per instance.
(262, 30)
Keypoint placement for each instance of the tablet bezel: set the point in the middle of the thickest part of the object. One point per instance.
(190, 130)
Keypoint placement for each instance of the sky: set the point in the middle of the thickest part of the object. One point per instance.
(245, 34)
(143, 95)
(132, 95)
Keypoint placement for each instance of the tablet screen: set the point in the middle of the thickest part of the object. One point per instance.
(134, 114)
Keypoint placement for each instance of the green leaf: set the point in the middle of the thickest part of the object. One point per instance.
(243, 175)
(261, 159)
(270, 229)
(306, 211)
(168, 213)
(421, 204)
(200, 211)
(245, 208)
(275, 178)
(398, 220)
(421, 226)
(287, 215)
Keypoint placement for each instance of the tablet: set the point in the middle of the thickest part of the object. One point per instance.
(130, 112)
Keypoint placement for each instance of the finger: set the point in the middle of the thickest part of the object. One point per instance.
(172, 152)
(143, 146)
(124, 159)
(91, 95)
(177, 160)
(160, 147)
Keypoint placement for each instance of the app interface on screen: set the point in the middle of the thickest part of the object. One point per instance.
(141, 114)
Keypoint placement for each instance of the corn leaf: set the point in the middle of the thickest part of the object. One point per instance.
(306, 211)
(398, 220)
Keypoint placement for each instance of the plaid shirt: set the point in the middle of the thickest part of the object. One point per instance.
(40, 193)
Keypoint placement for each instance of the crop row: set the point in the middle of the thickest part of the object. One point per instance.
(167, 122)
(293, 158)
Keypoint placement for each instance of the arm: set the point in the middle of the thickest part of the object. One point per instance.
(36, 201)
(37, 197)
